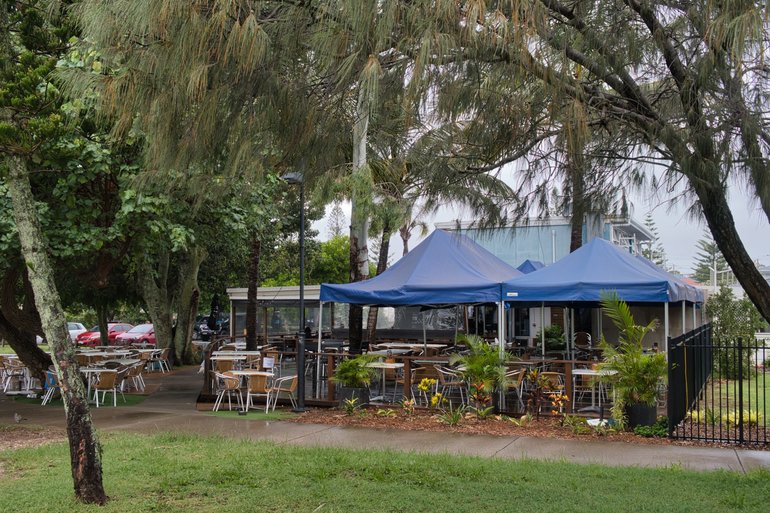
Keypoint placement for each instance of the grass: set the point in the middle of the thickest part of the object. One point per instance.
(6, 349)
(180, 472)
(258, 414)
(131, 400)
(756, 392)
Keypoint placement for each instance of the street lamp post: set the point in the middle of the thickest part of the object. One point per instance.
(295, 178)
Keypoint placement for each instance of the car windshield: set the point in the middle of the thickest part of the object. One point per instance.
(73, 326)
(142, 328)
(95, 328)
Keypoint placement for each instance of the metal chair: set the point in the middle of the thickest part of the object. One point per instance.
(286, 384)
(227, 385)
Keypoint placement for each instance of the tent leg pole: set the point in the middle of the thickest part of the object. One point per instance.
(666, 330)
(318, 352)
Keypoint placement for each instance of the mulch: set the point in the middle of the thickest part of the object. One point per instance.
(430, 420)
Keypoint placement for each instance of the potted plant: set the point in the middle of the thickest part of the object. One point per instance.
(635, 374)
(482, 368)
(354, 376)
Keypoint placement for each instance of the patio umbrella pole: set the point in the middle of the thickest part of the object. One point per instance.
(542, 328)
(424, 336)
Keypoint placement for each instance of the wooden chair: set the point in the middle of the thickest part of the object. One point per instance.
(109, 381)
(515, 379)
(449, 380)
(257, 386)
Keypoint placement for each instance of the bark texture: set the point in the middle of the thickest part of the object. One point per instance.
(359, 224)
(85, 450)
(172, 288)
(382, 264)
(251, 294)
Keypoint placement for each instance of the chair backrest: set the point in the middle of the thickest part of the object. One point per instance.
(293, 384)
(228, 381)
(107, 380)
(165, 353)
(51, 380)
(224, 365)
(515, 378)
(445, 375)
(552, 380)
(582, 339)
(390, 374)
(257, 384)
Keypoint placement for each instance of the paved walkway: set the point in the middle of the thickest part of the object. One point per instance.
(172, 408)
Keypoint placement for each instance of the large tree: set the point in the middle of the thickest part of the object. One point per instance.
(681, 86)
(29, 118)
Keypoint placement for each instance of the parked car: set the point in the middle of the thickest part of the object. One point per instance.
(140, 334)
(204, 332)
(75, 329)
(92, 337)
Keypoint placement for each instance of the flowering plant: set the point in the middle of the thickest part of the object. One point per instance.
(407, 406)
(437, 400)
(426, 384)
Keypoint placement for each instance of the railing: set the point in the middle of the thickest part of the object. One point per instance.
(718, 391)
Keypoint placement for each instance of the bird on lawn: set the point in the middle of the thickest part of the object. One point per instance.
(18, 418)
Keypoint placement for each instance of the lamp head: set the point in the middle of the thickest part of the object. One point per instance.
(293, 178)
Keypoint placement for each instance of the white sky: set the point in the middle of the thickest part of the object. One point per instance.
(679, 235)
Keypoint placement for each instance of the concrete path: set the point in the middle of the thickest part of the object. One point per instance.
(172, 408)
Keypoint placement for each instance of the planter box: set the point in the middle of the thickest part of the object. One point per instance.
(362, 394)
(641, 415)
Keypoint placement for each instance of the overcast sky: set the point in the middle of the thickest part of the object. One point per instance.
(679, 235)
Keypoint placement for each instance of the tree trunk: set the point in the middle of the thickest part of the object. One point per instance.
(251, 294)
(102, 321)
(720, 221)
(85, 450)
(405, 232)
(185, 304)
(153, 282)
(359, 224)
(382, 264)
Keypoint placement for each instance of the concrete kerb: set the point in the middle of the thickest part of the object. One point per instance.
(172, 408)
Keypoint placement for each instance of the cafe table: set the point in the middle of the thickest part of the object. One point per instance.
(384, 366)
(595, 373)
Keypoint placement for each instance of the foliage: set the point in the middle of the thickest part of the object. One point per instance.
(355, 372)
(554, 337)
(386, 412)
(351, 405)
(537, 385)
(452, 416)
(558, 405)
(732, 318)
(482, 367)
(708, 255)
(482, 413)
(407, 406)
(578, 425)
(654, 250)
(636, 374)
(657, 430)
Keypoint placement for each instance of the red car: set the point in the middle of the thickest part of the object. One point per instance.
(141, 334)
(92, 337)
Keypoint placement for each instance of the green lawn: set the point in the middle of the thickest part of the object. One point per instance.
(177, 472)
(6, 349)
(756, 392)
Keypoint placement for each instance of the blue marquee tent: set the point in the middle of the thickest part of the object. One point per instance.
(530, 266)
(685, 291)
(598, 266)
(445, 268)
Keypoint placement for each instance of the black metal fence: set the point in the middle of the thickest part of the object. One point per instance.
(718, 391)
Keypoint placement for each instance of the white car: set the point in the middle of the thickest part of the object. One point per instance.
(75, 329)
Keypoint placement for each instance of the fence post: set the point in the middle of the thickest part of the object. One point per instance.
(671, 387)
(740, 390)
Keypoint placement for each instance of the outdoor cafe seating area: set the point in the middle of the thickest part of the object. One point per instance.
(108, 371)
(237, 379)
